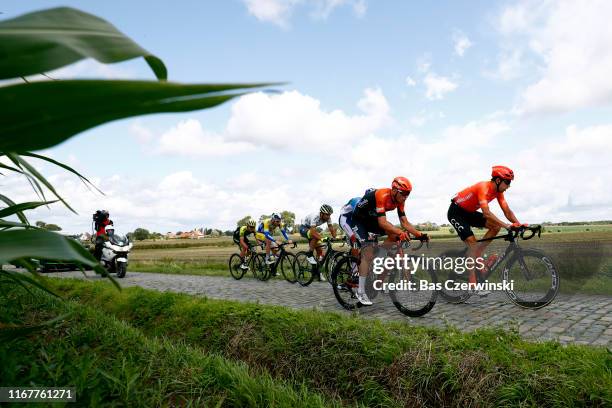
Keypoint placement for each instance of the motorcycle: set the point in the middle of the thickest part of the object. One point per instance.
(115, 254)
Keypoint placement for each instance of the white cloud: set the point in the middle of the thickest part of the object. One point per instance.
(560, 178)
(286, 121)
(141, 133)
(423, 117)
(461, 43)
(188, 138)
(510, 65)
(410, 81)
(279, 12)
(437, 86)
(570, 41)
(295, 121)
(323, 8)
(272, 11)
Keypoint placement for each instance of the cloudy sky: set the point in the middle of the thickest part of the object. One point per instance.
(375, 89)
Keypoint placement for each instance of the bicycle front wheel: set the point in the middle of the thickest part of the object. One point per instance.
(344, 281)
(413, 294)
(287, 267)
(234, 266)
(304, 270)
(533, 278)
(261, 270)
(331, 263)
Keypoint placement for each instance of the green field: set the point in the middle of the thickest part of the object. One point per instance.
(145, 348)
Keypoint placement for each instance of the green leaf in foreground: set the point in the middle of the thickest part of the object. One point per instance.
(19, 214)
(14, 209)
(65, 108)
(35, 177)
(39, 244)
(45, 40)
(84, 179)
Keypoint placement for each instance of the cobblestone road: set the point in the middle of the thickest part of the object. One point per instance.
(579, 319)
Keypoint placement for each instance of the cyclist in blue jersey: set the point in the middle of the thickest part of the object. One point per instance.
(264, 234)
(346, 218)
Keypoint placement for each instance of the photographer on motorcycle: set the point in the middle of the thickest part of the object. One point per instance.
(101, 221)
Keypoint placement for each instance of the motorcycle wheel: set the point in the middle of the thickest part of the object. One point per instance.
(121, 269)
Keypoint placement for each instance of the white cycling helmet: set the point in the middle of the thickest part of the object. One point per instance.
(326, 209)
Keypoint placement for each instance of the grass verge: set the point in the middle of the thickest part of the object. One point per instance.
(362, 361)
(111, 363)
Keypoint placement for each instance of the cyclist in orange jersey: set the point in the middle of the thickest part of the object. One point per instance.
(369, 217)
(463, 211)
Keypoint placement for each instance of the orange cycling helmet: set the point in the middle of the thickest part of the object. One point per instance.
(503, 172)
(402, 184)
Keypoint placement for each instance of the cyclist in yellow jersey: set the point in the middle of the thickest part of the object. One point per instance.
(241, 239)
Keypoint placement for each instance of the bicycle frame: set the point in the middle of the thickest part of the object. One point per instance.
(329, 251)
(282, 255)
(512, 248)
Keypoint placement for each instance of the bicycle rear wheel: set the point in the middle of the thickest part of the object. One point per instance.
(287, 267)
(234, 266)
(344, 284)
(534, 277)
(418, 298)
(304, 270)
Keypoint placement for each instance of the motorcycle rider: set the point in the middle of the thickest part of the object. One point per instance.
(101, 219)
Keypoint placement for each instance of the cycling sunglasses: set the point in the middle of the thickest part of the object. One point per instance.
(507, 181)
(404, 193)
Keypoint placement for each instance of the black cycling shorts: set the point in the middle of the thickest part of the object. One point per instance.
(463, 220)
(366, 226)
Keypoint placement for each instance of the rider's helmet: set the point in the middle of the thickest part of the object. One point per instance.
(326, 209)
(110, 229)
(502, 172)
(401, 184)
(250, 223)
(276, 217)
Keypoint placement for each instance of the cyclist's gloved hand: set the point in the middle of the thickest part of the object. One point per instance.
(404, 236)
(517, 225)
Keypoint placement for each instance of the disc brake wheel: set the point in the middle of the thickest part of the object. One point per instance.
(304, 270)
(234, 267)
(344, 282)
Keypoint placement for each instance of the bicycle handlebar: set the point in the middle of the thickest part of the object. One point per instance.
(287, 243)
(515, 233)
(537, 229)
(329, 242)
(406, 244)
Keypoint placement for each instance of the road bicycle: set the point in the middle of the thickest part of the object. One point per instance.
(412, 292)
(235, 263)
(306, 272)
(531, 277)
(284, 261)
